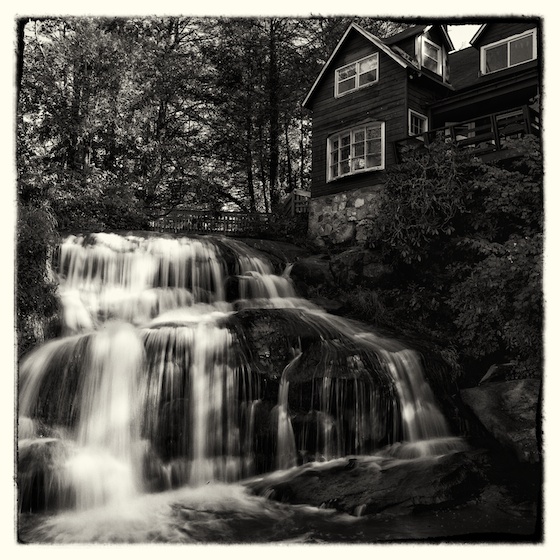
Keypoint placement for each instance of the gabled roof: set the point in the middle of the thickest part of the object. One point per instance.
(372, 38)
(477, 35)
(382, 44)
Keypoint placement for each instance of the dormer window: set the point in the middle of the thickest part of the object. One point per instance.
(431, 56)
(359, 74)
(510, 52)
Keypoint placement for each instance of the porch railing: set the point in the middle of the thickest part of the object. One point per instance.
(484, 136)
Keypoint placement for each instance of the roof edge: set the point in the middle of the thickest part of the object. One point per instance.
(370, 37)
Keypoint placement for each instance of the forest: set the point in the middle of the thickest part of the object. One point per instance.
(120, 120)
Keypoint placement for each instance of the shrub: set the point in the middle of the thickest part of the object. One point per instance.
(465, 240)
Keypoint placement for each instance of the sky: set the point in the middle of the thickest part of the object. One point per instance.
(462, 34)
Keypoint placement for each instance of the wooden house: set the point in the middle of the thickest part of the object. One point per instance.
(375, 95)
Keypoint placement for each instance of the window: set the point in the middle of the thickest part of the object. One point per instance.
(356, 150)
(417, 123)
(511, 52)
(431, 56)
(359, 74)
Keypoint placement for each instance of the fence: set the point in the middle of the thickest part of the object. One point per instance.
(199, 221)
(296, 205)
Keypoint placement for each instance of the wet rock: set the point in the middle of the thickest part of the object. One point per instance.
(358, 266)
(312, 273)
(40, 486)
(330, 305)
(277, 251)
(371, 486)
(509, 411)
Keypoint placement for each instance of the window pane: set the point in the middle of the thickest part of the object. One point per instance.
(345, 152)
(334, 171)
(367, 70)
(430, 64)
(368, 78)
(346, 72)
(373, 161)
(358, 164)
(345, 167)
(345, 140)
(373, 147)
(521, 50)
(496, 58)
(430, 51)
(367, 65)
(418, 124)
(346, 85)
(359, 149)
(373, 132)
(359, 136)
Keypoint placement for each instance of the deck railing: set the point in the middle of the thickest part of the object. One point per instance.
(200, 221)
(296, 205)
(484, 136)
(297, 202)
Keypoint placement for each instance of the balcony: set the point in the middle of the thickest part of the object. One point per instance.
(484, 136)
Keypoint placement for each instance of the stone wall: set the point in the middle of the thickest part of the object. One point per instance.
(344, 218)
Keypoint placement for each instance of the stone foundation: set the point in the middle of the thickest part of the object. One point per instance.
(345, 218)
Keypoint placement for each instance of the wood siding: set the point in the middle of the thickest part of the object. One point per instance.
(382, 101)
(408, 46)
(498, 31)
(420, 93)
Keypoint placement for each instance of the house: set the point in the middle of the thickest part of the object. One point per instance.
(373, 96)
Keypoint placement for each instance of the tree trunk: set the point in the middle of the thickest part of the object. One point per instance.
(274, 111)
(249, 161)
(291, 184)
(20, 51)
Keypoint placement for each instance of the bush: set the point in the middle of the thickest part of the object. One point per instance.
(465, 240)
(35, 294)
(95, 203)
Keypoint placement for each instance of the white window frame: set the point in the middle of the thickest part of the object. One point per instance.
(352, 131)
(439, 60)
(356, 65)
(508, 41)
(412, 113)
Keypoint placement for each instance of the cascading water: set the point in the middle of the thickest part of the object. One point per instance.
(160, 379)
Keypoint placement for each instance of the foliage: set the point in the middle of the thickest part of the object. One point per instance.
(465, 239)
(202, 111)
(97, 202)
(35, 293)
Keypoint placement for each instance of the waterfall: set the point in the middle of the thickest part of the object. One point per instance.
(286, 447)
(169, 372)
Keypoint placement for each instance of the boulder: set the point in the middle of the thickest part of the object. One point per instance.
(359, 266)
(509, 411)
(370, 486)
(331, 306)
(312, 272)
(343, 234)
